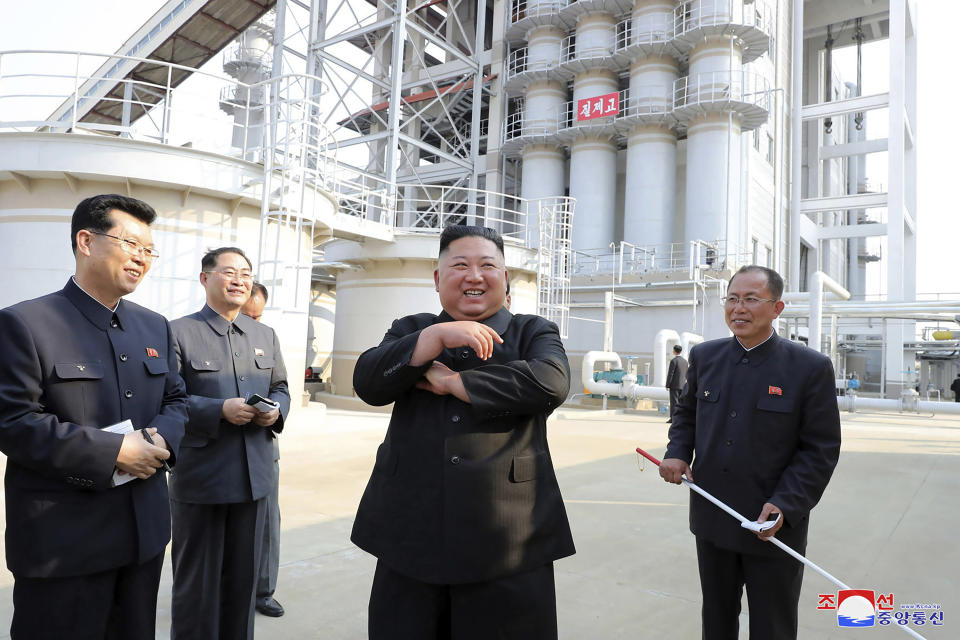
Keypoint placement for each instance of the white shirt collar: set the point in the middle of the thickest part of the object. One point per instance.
(114, 310)
(756, 345)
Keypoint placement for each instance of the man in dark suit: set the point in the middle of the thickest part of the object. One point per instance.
(86, 554)
(462, 509)
(270, 556)
(218, 492)
(759, 421)
(955, 387)
(676, 378)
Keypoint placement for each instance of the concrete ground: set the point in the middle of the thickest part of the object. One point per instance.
(885, 523)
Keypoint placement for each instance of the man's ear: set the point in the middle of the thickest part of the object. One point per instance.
(436, 280)
(203, 277)
(84, 239)
(778, 307)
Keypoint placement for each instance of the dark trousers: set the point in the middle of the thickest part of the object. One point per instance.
(674, 400)
(216, 553)
(119, 603)
(773, 591)
(517, 607)
(270, 553)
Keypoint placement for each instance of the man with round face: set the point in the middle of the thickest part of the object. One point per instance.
(463, 510)
(91, 408)
(757, 425)
(219, 491)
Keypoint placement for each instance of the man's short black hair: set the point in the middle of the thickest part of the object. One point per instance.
(93, 214)
(457, 231)
(258, 288)
(209, 260)
(774, 280)
(677, 348)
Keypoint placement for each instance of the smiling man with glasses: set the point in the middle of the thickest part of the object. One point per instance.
(218, 493)
(757, 425)
(85, 550)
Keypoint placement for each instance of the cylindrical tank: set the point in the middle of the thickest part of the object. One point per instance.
(544, 46)
(543, 177)
(713, 178)
(652, 20)
(593, 170)
(542, 106)
(596, 35)
(713, 144)
(650, 186)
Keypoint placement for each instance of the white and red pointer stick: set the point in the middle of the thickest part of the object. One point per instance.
(787, 549)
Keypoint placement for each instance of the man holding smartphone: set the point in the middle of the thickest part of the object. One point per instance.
(225, 470)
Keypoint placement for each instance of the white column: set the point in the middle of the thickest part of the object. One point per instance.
(649, 198)
(713, 147)
(593, 171)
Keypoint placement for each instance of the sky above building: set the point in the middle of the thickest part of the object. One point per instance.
(101, 26)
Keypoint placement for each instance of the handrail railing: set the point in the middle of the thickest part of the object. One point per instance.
(696, 14)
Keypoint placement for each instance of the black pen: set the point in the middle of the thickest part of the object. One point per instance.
(146, 436)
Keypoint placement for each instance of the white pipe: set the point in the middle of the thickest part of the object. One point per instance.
(819, 282)
(687, 342)
(796, 142)
(608, 321)
(848, 403)
(665, 338)
(590, 358)
(628, 389)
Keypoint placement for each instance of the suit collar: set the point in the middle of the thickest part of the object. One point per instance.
(756, 355)
(220, 324)
(92, 309)
(499, 321)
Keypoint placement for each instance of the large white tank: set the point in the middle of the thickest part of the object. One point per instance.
(593, 168)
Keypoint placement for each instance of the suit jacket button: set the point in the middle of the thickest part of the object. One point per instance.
(455, 460)
(243, 378)
(455, 419)
(733, 414)
(128, 394)
(123, 357)
(464, 354)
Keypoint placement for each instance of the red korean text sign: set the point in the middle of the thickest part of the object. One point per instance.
(598, 106)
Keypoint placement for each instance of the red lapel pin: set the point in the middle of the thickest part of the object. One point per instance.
(774, 391)
(152, 353)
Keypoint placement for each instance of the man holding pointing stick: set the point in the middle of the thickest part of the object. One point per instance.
(759, 422)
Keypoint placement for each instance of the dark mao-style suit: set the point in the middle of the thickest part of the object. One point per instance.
(466, 492)
(759, 426)
(225, 471)
(676, 377)
(71, 366)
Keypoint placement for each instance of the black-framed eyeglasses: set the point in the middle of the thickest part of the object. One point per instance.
(230, 274)
(749, 301)
(131, 246)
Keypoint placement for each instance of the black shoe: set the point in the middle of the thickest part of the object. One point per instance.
(269, 607)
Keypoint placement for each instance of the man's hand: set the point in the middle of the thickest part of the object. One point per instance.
(442, 380)
(768, 509)
(266, 419)
(450, 335)
(671, 469)
(237, 411)
(140, 458)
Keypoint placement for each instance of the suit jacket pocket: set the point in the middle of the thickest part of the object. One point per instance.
(79, 370)
(205, 365)
(156, 366)
(527, 467)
